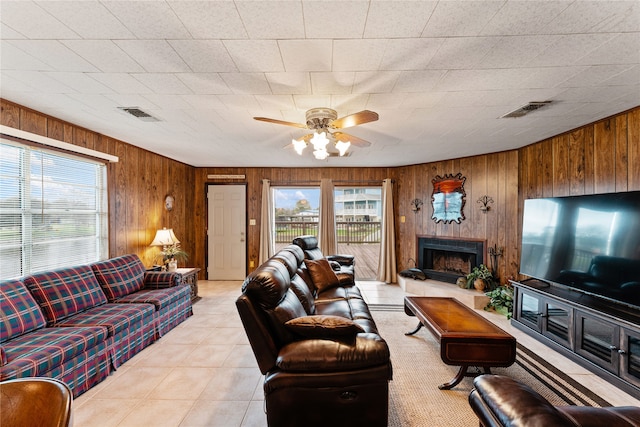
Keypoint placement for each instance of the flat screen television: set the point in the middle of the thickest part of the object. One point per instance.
(588, 243)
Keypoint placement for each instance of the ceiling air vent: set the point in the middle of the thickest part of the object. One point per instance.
(139, 114)
(526, 109)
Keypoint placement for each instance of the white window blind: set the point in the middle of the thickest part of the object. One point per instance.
(53, 210)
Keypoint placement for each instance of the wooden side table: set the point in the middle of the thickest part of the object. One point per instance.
(190, 276)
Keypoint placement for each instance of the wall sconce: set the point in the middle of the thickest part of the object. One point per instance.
(485, 200)
(416, 204)
(168, 203)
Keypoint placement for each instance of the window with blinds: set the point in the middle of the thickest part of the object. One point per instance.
(53, 210)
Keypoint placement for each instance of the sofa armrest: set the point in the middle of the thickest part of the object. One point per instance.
(161, 279)
(324, 355)
(501, 401)
(342, 259)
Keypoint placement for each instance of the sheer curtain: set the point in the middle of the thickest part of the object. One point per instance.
(387, 266)
(266, 223)
(327, 225)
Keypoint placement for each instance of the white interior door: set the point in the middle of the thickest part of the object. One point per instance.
(226, 232)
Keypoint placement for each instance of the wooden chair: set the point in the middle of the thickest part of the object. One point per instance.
(35, 402)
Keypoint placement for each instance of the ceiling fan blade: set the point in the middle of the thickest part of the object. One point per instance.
(358, 142)
(364, 116)
(281, 122)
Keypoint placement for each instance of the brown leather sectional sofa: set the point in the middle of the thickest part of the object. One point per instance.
(316, 343)
(500, 401)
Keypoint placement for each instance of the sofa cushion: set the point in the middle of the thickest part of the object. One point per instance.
(19, 312)
(64, 292)
(38, 352)
(322, 275)
(159, 298)
(115, 317)
(119, 276)
(323, 327)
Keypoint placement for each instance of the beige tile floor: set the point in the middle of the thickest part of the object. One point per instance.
(203, 372)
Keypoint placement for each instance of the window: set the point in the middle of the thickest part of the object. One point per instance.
(53, 210)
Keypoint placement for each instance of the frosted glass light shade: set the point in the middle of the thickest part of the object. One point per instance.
(299, 145)
(343, 146)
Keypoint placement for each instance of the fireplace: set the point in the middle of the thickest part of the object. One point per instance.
(446, 259)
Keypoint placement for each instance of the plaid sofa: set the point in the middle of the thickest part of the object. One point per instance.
(79, 324)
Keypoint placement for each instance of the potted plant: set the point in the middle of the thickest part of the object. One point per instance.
(501, 300)
(480, 278)
(171, 255)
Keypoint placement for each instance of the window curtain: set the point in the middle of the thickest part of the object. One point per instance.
(387, 267)
(327, 225)
(266, 223)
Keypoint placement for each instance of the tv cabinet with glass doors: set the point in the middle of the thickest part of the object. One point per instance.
(600, 335)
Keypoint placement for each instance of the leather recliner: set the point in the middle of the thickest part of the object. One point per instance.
(343, 265)
(500, 401)
(325, 378)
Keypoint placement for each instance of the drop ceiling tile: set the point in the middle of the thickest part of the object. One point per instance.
(549, 77)
(594, 16)
(104, 55)
(622, 49)
(348, 104)
(628, 77)
(462, 53)
(456, 80)
(516, 51)
(306, 55)
(9, 33)
(205, 102)
(332, 83)
(12, 57)
(80, 82)
(130, 100)
(418, 81)
(272, 20)
(244, 102)
(276, 102)
(289, 83)
(375, 81)
(120, 83)
(30, 20)
(409, 54)
(455, 18)
(255, 55)
(163, 83)
(168, 102)
(422, 100)
(335, 19)
(155, 56)
(596, 75)
(148, 19)
(357, 55)
(94, 102)
(378, 101)
(569, 49)
(89, 19)
(204, 83)
(55, 54)
(247, 83)
(210, 20)
(39, 81)
(395, 19)
(523, 17)
(305, 102)
(204, 56)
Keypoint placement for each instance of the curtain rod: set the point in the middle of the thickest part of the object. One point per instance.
(289, 183)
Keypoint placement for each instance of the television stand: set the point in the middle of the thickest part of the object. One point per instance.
(600, 335)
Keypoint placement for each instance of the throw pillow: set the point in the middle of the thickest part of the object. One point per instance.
(322, 275)
(324, 327)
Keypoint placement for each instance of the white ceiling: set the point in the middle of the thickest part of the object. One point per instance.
(439, 73)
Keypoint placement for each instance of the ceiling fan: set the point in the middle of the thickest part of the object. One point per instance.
(324, 123)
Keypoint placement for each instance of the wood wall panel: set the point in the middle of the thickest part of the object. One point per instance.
(137, 184)
(599, 157)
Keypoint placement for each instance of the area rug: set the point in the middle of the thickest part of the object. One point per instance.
(414, 397)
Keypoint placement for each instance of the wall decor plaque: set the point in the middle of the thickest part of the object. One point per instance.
(448, 198)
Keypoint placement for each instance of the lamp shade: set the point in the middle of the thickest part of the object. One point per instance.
(165, 237)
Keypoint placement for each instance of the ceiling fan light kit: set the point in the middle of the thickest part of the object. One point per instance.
(322, 121)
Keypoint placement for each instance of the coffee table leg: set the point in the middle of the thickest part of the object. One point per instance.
(455, 380)
(415, 330)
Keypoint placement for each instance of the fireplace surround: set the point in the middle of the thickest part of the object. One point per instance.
(446, 259)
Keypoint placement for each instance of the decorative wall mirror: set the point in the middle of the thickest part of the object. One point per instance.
(448, 198)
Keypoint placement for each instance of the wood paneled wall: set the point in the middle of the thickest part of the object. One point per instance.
(138, 184)
(596, 158)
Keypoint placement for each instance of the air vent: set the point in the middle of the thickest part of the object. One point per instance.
(139, 114)
(526, 109)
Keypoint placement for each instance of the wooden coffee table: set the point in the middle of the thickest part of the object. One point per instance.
(466, 338)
